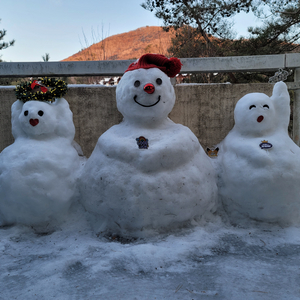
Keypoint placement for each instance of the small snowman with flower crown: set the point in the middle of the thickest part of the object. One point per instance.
(38, 172)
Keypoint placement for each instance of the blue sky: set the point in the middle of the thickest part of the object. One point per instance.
(57, 26)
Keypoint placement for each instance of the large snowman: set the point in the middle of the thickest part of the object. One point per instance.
(147, 174)
(259, 163)
(38, 172)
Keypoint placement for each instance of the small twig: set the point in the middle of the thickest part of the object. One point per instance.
(288, 12)
(263, 242)
(260, 292)
(178, 288)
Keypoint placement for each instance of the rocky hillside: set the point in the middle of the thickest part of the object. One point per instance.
(129, 45)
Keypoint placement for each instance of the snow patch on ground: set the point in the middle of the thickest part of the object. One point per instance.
(215, 261)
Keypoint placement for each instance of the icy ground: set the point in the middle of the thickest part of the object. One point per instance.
(215, 261)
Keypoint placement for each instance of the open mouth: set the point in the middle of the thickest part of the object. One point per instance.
(260, 118)
(135, 97)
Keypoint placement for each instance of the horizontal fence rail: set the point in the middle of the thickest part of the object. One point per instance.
(257, 63)
(117, 67)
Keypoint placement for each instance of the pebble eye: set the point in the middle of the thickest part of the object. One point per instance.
(40, 113)
(252, 106)
(137, 83)
(158, 81)
(266, 105)
(26, 113)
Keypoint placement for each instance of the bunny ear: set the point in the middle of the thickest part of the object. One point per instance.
(280, 91)
(281, 100)
(64, 117)
(16, 110)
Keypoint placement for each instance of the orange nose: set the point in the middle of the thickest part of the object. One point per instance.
(149, 88)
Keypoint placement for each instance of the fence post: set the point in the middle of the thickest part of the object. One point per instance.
(296, 112)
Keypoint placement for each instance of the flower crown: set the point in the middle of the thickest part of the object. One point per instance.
(41, 89)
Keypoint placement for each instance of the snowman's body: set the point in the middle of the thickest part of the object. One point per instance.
(38, 171)
(259, 163)
(147, 172)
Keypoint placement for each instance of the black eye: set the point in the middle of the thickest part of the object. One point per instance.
(252, 106)
(137, 83)
(266, 105)
(26, 113)
(158, 81)
(40, 113)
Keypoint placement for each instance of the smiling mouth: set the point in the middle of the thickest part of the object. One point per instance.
(134, 98)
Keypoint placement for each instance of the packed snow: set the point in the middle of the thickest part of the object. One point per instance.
(211, 261)
(166, 183)
(201, 255)
(259, 162)
(38, 172)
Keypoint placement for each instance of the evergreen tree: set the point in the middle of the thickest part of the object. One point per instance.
(279, 33)
(4, 45)
(204, 18)
(203, 28)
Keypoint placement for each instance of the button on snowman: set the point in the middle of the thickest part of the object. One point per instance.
(259, 163)
(147, 174)
(39, 170)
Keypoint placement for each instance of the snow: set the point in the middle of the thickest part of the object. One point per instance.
(199, 256)
(38, 172)
(262, 184)
(91, 85)
(211, 261)
(140, 192)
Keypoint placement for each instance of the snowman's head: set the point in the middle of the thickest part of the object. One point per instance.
(37, 118)
(145, 96)
(41, 120)
(255, 115)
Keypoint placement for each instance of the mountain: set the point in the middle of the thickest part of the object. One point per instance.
(128, 45)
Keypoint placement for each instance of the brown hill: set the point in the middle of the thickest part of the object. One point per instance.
(129, 45)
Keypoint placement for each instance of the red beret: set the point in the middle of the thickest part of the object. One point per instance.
(170, 66)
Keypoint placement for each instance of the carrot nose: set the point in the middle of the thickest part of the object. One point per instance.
(149, 88)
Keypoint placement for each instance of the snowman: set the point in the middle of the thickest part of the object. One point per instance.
(147, 174)
(259, 163)
(38, 171)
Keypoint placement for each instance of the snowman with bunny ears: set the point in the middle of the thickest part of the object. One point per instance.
(259, 164)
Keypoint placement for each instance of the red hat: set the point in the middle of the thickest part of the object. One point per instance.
(170, 66)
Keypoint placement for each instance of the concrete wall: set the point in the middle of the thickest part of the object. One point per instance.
(206, 109)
